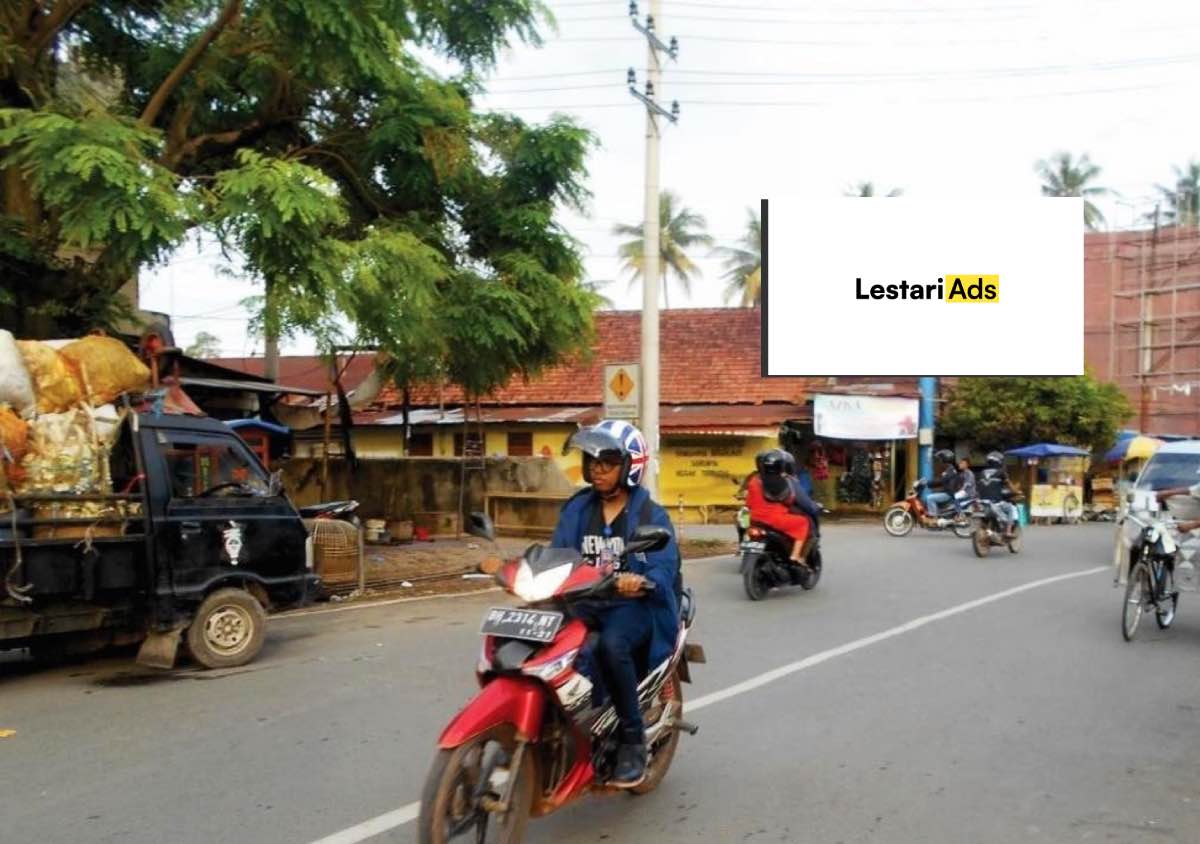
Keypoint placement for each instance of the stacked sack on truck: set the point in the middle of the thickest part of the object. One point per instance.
(58, 424)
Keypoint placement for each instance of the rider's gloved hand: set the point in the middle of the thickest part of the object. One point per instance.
(629, 585)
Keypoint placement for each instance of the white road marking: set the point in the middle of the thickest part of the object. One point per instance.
(375, 826)
(406, 814)
(909, 626)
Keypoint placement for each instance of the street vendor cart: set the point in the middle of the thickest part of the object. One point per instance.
(1052, 479)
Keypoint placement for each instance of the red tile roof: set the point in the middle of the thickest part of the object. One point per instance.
(707, 356)
(304, 371)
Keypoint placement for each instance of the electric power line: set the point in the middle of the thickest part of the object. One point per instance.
(818, 103)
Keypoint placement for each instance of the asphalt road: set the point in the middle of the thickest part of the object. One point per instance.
(1023, 717)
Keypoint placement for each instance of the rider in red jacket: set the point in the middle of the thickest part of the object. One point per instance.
(771, 501)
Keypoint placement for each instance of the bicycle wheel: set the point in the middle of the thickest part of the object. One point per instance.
(1137, 593)
(1168, 602)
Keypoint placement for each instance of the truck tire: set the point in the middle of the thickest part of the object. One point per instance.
(228, 630)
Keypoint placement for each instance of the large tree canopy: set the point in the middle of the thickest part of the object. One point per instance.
(360, 187)
(1009, 412)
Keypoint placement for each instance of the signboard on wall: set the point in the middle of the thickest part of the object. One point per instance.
(864, 417)
(622, 382)
(706, 470)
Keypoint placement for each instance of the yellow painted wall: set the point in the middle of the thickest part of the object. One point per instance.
(706, 470)
(388, 442)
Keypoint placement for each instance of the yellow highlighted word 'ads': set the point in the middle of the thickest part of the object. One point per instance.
(972, 287)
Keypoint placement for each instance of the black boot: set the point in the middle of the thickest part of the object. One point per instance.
(631, 766)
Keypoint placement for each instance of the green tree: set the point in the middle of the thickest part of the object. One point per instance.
(743, 263)
(680, 229)
(309, 138)
(1009, 412)
(204, 345)
(868, 189)
(1183, 200)
(1063, 176)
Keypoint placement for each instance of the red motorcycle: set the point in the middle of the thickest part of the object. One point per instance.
(536, 737)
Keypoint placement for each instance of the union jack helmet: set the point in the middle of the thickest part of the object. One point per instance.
(615, 439)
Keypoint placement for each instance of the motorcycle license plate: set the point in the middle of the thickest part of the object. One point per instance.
(530, 625)
(754, 546)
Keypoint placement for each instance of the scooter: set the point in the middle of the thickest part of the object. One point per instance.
(901, 517)
(767, 564)
(540, 734)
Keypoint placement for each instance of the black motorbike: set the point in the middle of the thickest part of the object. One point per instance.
(989, 530)
(766, 561)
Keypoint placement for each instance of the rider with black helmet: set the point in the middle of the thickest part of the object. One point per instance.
(994, 486)
(946, 485)
(771, 497)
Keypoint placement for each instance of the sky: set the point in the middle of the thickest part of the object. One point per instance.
(941, 98)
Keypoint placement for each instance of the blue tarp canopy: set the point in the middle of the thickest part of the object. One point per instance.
(1048, 450)
(237, 424)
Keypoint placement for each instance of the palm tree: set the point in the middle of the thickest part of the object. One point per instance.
(1063, 177)
(1183, 201)
(868, 189)
(680, 229)
(595, 286)
(743, 263)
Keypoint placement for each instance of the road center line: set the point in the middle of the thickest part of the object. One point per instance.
(406, 814)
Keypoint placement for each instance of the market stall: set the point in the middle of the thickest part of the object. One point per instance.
(1052, 479)
(858, 450)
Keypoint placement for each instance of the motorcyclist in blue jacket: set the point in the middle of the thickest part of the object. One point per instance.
(599, 521)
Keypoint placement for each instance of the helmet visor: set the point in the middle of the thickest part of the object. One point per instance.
(598, 445)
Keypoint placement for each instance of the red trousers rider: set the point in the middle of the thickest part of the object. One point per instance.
(777, 515)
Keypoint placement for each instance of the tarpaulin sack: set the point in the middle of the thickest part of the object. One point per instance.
(14, 435)
(65, 456)
(107, 367)
(16, 389)
(54, 381)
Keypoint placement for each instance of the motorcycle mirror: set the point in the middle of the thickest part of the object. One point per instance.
(648, 538)
(480, 524)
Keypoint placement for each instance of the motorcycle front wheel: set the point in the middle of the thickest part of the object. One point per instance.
(813, 575)
(981, 543)
(962, 527)
(898, 521)
(1014, 542)
(450, 810)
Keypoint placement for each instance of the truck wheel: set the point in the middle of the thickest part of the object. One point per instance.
(228, 629)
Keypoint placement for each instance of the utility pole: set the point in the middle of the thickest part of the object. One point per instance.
(650, 233)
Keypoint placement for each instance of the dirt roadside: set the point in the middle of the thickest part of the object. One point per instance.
(421, 569)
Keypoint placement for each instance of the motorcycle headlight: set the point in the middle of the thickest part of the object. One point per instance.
(538, 587)
(547, 671)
